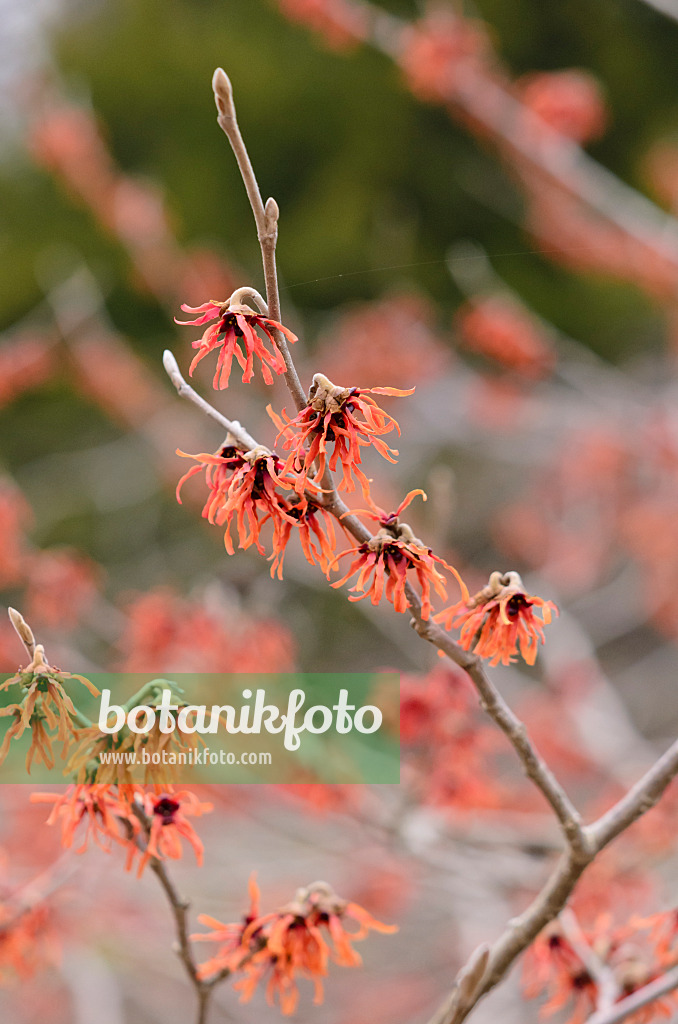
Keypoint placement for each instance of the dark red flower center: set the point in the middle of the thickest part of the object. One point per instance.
(516, 605)
(166, 808)
(228, 323)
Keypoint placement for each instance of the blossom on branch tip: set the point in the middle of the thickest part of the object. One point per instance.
(349, 419)
(500, 620)
(235, 334)
(298, 940)
(383, 563)
(45, 708)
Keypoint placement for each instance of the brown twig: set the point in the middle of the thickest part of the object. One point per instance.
(266, 218)
(180, 908)
(601, 974)
(637, 1000)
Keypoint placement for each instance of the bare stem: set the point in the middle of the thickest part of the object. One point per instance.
(180, 908)
(240, 436)
(637, 1000)
(266, 219)
(600, 973)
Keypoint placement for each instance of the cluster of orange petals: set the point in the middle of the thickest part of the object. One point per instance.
(339, 22)
(147, 823)
(235, 336)
(568, 101)
(45, 709)
(345, 417)
(27, 939)
(635, 954)
(499, 328)
(252, 488)
(500, 621)
(383, 562)
(298, 940)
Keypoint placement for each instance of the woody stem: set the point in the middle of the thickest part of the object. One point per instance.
(266, 219)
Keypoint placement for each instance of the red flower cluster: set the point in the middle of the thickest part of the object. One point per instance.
(569, 101)
(554, 967)
(497, 327)
(235, 335)
(27, 939)
(440, 51)
(165, 633)
(99, 807)
(298, 940)
(447, 743)
(147, 823)
(384, 561)
(500, 620)
(167, 816)
(345, 417)
(245, 488)
(341, 24)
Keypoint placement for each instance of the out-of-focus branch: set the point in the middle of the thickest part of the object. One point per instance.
(553, 897)
(639, 799)
(637, 1000)
(496, 707)
(667, 7)
(488, 102)
(266, 218)
(601, 974)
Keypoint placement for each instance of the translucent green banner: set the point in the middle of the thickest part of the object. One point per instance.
(191, 728)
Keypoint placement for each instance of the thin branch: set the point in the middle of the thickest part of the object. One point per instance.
(240, 436)
(180, 907)
(639, 799)
(266, 219)
(637, 1000)
(496, 707)
(600, 973)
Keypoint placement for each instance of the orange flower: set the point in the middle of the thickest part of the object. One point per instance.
(45, 705)
(346, 417)
(231, 952)
(384, 561)
(245, 487)
(168, 825)
(553, 967)
(99, 806)
(309, 519)
(298, 940)
(27, 940)
(234, 334)
(500, 620)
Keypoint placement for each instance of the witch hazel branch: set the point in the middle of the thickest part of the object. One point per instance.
(263, 496)
(249, 486)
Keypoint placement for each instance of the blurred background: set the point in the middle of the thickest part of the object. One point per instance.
(477, 199)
